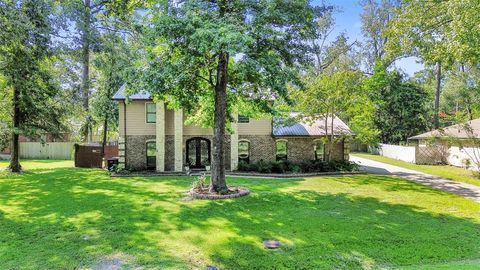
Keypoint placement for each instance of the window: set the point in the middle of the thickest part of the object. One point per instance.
(151, 155)
(281, 150)
(243, 119)
(151, 111)
(319, 149)
(244, 151)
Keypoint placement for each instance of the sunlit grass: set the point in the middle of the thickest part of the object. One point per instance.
(39, 164)
(445, 171)
(66, 218)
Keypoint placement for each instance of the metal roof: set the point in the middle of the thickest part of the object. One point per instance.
(305, 127)
(142, 95)
(460, 131)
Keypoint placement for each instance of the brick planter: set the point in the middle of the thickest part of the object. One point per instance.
(240, 192)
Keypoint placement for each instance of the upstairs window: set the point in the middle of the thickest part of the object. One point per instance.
(244, 151)
(243, 119)
(319, 149)
(281, 150)
(151, 112)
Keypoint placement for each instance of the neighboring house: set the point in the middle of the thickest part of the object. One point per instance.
(461, 143)
(151, 136)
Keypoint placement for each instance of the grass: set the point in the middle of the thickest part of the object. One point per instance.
(445, 171)
(69, 218)
(39, 164)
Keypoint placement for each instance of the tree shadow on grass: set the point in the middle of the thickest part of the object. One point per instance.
(323, 230)
(72, 218)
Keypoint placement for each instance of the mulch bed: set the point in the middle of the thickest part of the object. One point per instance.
(205, 194)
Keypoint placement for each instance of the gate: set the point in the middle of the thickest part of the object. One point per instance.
(90, 156)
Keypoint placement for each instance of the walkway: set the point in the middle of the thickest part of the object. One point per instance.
(471, 192)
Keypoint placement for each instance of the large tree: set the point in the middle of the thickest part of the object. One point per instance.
(206, 54)
(439, 32)
(401, 107)
(26, 67)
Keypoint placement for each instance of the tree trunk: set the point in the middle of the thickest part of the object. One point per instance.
(14, 160)
(438, 75)
(218, 183)
(86, 64)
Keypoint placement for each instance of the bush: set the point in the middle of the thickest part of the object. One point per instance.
(307, 166)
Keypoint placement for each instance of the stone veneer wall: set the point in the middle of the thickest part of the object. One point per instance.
(137, 151)
(299, 148)
(170, 152)
(261, 147)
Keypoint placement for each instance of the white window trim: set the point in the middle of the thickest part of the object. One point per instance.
(145, 114)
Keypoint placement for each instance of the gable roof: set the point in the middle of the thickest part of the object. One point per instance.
(304, 127)
(459, 131)
(142, 95)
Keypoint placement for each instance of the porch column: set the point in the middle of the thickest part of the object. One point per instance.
(160, 135)
(234, 144)
(178, 144)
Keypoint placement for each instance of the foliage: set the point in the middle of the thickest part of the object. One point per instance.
(376, 16)
(26, 61)
(200, 183)
(307, 166)
(207, 56)
(401, 107)
(437, 30)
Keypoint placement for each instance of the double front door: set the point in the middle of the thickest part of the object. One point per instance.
(198, 153)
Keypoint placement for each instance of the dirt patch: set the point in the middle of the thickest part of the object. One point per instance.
(115, 261)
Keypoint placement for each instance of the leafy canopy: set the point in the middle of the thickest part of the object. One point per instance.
(264, 40)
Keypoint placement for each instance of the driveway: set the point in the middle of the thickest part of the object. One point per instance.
(468, 191)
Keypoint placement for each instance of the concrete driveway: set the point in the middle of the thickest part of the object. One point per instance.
(468, 191)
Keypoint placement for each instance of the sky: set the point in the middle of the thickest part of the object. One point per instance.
(349, 21)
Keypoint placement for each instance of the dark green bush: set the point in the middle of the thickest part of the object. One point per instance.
(307, 166)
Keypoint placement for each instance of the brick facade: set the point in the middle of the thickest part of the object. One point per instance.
(136, 151)
(261, 148)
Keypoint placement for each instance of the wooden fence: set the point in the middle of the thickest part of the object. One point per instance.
(53, 150)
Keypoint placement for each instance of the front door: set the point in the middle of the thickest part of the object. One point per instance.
(198, 153)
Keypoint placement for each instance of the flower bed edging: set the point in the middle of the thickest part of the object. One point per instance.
(242, 192)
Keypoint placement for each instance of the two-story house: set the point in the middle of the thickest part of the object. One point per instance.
(153, 137)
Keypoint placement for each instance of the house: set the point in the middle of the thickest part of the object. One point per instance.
(459, 144)
(151, 136)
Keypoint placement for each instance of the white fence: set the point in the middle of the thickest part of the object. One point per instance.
(464, 157)
(405, 153)
(461, 157)
(53, 150)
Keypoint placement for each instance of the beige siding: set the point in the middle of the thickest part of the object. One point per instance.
(169, 121)
(195, 130)
(136, 123)
(256, 127)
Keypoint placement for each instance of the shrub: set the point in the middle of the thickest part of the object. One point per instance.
(306, 166)
(199, 183)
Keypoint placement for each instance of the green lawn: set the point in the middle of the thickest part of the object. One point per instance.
(68, 218)
(445, 171)
(40, 164)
